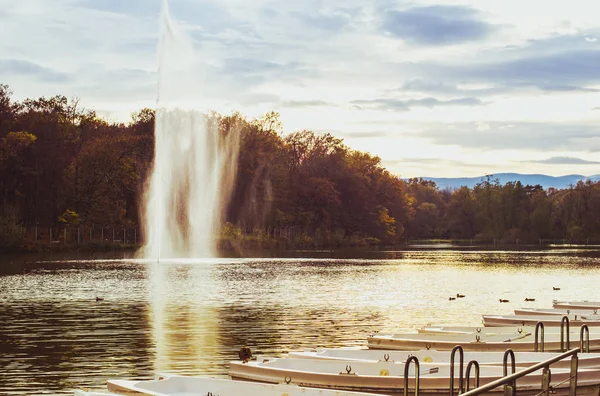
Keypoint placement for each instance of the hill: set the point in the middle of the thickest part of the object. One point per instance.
(545, 181)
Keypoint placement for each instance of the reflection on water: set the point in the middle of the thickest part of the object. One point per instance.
(192, 317)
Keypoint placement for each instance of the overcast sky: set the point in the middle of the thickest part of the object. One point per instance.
(435, 88)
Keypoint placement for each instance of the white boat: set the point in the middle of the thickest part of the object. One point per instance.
(388, 377)
(524, 342)
(555, 311)
(488, 330)
(576, 304)
(91, 393)
(532, 320)
(522, 359)
(175, 385)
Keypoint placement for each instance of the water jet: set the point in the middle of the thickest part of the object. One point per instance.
(194, 161)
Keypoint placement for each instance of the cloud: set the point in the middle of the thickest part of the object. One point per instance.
(433, 161)
(514, 135)
(406, 105)
(333, 22)
(304, 57)
(438, 88)
(305, 103)
(564, 161)
(256, 98)
(421, 167)
(363, 135)
(436, 25)
(97, 82)
(596, 108)
(255, 71)
(129, 7)
(208, 17)
(428, 86)
(565, 88)
(556, 70)
(551, 44)
(558, 64)
(24, 68)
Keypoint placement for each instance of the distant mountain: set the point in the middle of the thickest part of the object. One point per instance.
(543, 180)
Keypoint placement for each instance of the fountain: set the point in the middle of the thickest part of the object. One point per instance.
(194, 162)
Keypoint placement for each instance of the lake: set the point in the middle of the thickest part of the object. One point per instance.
(192, 316)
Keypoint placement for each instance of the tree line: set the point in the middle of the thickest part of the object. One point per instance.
(61, 164)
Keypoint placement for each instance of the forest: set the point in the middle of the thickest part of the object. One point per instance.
(62, 165)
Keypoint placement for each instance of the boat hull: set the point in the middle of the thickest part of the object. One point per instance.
(388, 384)
(586, 390)
(201, 386)
(514, 330)
(555, 312)
(532, 320)
(525, 344)
(522, 359)
(576, 304)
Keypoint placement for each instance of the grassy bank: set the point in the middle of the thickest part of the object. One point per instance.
(74, 247)
(261, 242)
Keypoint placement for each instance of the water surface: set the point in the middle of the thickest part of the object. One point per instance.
(192, 316)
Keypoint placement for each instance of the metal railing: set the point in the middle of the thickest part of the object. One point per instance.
(509, 381)
(411, 359)
(584, 337)
(539, 330)
(472, 363)
(584, 333)
(510, 389)
(564, 329)
(461, 355)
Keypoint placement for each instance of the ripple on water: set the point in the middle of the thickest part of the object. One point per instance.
(192, 317)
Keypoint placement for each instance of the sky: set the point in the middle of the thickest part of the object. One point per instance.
(434, 88)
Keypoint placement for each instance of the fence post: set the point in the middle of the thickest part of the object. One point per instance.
(546, 377)
(573, 380)
(510, 389)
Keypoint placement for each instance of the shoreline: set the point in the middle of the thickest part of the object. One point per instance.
(238, 246)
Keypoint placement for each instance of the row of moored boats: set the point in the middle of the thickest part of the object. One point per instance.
(433, 360)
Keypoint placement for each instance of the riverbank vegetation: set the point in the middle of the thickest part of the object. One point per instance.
(62, 167)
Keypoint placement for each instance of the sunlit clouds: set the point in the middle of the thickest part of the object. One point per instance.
(435, 88)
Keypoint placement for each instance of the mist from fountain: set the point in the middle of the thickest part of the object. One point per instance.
(194, 163)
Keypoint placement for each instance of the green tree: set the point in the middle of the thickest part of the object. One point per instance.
(461, 216)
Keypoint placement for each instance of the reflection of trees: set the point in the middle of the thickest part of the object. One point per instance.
(64, 345)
